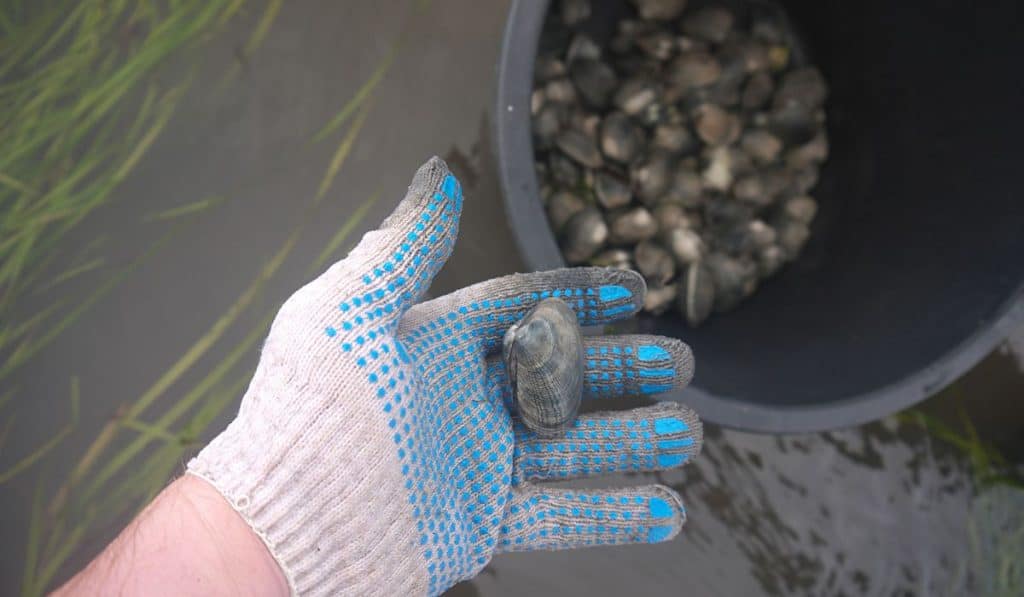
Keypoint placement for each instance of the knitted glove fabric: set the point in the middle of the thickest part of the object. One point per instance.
(375, 452)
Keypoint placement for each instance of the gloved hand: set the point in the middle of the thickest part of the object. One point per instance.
(374, 451)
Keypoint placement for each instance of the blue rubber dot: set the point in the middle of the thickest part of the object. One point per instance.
(658, 534)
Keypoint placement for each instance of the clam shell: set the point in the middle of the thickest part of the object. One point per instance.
(544, 356)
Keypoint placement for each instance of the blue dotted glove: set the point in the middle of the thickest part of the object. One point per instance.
(375, 450)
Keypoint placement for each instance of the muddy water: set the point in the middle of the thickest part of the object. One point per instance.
(873, 510)
(882, 509)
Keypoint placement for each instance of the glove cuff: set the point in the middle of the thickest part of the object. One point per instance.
(308, 501)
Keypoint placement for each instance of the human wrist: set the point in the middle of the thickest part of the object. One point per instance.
(252, 565)
(188, 541)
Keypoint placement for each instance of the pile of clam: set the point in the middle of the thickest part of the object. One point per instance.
(685, 148)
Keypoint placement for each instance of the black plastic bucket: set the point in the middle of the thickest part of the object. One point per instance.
(915, 267)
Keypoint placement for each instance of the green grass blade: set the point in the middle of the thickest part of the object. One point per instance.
(148, 432)
(6, 397)
(341, 154)
(11, 363)
(26, 462)
(5, 432)
(29, 584)
(17, 185)
(213, 406)
(184, 210)
(9, 335)
(229, 11)
(72, 272)
(269, 14)
(343, 233)
(179, 407)
(361, 96)
(203, 344)
(67, 547)
(147, 140)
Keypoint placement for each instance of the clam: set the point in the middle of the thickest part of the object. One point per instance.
(793, 123)
(809, 154)
(631, 226)
(802, 209)
(674, 138)
(770, 260)
(579, 147)
(659, 298)
(582, 47)
(803, 86)
(562, 206)
(691, 70)
(761, 188)
(685, 244)
(543, 353)
(650, 176)
(658, 44)
(684, 141)
(711, 23)
(734, 279)
(654, 262)
(595, 81)
(575, 11)
(671, 215)
(611, 191)
(617, 258)
(696, 294)
(718, 174)
(757, 91)
(560, 90)
(659, 10)
(686, 188)
(621, 140)
(547, 122)
(563, 170)
(761, 145)
(716, 126)
(585, 233)
(548, 67)
(793, 236)
(804, 179)
(635, 95)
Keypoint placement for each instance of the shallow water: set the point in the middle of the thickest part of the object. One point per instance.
(874, 510)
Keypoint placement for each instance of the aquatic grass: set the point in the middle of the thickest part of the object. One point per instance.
(987, 464)
(341, 153)
(80, 105)
(145, 440)
(71, 273)
(30, 345)
(342, 234)
(185, 210)
(995, 530)
(995, 521)
(359, 98)
(37, 454)
(134, 454)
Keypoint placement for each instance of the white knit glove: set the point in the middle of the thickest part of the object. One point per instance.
(374, 451)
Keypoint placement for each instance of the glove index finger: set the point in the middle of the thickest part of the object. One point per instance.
(486, 310)
(398, 262)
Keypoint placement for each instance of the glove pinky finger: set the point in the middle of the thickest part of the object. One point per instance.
(559, 518)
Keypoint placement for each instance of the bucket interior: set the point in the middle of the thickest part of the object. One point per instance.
(919, 242)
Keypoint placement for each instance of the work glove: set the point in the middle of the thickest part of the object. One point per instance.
(376, 450)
